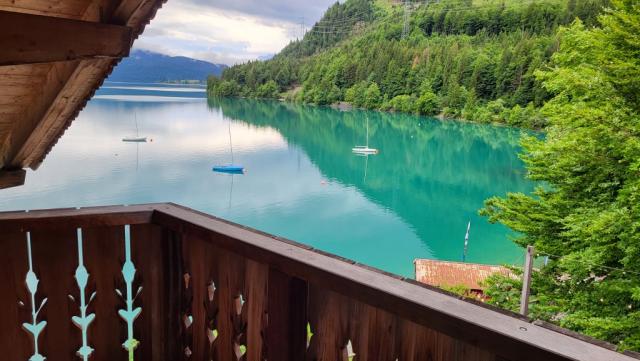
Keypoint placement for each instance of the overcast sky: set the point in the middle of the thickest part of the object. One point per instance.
(228, 31)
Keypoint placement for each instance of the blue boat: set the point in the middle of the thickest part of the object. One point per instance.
(229, 168)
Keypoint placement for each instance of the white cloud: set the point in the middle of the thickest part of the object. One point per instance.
(229, 33)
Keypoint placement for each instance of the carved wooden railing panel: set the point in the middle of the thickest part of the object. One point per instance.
(14, 342)
(104, 256)
(161, 282)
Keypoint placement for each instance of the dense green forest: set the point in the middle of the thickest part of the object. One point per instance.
(467, 59)
(586, 217)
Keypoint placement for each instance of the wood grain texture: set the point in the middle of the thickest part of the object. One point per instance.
(154, 255)
(55, 260)
(287, 316)
(72, 217)
(14, 341)
(25, 119)
(231, 327)
(199, 265)
(284, 286)
(29, 39)
(506, 335)
(35, 111)
(69, 9)
(104, 256)
(256, 286)
(12, 178)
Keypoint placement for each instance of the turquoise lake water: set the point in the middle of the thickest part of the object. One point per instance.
(412, 200)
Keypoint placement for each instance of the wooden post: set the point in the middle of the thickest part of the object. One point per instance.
(526, 281)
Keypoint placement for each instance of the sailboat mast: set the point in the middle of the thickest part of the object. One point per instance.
(135, 116)
(367, 132)
(230, 143)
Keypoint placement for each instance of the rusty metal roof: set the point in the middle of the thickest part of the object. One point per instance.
(446, 273)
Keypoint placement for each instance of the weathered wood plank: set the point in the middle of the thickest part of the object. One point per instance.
(30, 127)
(286, 334)
(28, 39)
(480, 326)
(329, 322)
(382, 335)
(257, 303)
(70, 9)
(14, 341)
(55, 259)
(12, 178)
(231, 321)
(198, 275)
(28, 118)
(104, 256)
(359, 329)
(157, 257)
(50, 125)
(83, 217)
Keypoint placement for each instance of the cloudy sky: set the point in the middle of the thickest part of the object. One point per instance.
(228, 31)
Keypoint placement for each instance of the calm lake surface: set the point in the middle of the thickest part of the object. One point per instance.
(412, 200)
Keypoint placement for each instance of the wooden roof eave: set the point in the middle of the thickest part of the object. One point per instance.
(49, 72)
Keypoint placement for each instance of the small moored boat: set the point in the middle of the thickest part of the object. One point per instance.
(363, 149)
(229, 168)
(135, 139)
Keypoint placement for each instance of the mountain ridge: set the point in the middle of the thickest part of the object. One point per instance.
(145, 66)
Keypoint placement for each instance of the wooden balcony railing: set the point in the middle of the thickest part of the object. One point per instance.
(161, 282)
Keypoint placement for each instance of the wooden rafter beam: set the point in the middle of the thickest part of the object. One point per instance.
(29, 39)
(11, 178)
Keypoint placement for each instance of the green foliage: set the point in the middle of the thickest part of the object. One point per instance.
(403, 103)
(587, 210)
(460, 290)
(428, 103)
(224, 88)
(356, 94)
(466, 56)
(268, 90)
(372, 96)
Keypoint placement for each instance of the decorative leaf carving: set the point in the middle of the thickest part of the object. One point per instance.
(35, 328)
(84, 320)
(129, 314)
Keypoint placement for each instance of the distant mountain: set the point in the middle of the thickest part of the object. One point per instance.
(148, 67)
(266, 57)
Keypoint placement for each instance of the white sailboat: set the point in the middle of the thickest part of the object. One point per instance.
(137, 138)
(364, 149)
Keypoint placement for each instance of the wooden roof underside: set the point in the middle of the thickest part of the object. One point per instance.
(54, 54)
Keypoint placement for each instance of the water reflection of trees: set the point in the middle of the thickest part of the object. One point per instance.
(428, 172)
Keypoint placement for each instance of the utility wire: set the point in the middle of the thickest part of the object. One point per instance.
(345, 19)
(588, 262)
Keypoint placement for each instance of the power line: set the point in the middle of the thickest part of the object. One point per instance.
(345, 18)
(588, 262)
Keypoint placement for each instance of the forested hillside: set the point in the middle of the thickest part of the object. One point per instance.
(468, 59)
